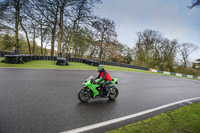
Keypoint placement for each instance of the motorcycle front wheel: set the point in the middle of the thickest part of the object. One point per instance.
(84, 95)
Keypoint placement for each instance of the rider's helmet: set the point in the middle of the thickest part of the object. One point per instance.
(100, 68)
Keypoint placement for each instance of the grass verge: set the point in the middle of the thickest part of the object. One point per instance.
(185, 119)
(52, 65)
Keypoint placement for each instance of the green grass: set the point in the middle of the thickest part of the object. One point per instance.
(38, 64)
(115, 68)
(182, 120)
(52, 65)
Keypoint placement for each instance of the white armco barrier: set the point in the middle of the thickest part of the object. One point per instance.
(168, 73)
(154, 70)
(178, 74)
(189, 76)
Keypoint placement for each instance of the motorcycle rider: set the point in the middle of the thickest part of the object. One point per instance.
(104, 75)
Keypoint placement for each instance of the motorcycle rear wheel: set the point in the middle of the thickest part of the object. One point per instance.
(113, 93)
(84, 95)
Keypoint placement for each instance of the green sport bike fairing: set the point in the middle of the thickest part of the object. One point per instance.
(91, 90)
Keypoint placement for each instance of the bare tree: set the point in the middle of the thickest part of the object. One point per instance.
(185, 49)
(27, 36)
(85, 43)
(167, 54)
(60, 34)
(10, 14)
(82, 12)
(105, 32)
(76, 22)
(32, 18)
(148, 40)
(195, 3)
(49, 9)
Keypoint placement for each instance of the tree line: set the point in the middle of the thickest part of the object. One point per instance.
(153, 50)
(70, 26)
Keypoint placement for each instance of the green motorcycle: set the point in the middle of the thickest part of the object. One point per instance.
(91, 90)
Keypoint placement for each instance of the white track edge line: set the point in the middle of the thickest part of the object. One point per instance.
(105, 123)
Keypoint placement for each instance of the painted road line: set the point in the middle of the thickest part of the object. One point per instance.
(105, 123)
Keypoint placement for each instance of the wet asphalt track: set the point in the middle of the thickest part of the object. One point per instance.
(45, 101)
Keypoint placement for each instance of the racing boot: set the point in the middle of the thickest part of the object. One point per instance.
(107, 90)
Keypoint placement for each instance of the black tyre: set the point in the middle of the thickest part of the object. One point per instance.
(84, 95)
(113, 93)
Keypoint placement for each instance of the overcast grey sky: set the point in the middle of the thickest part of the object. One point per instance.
(170, 17)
